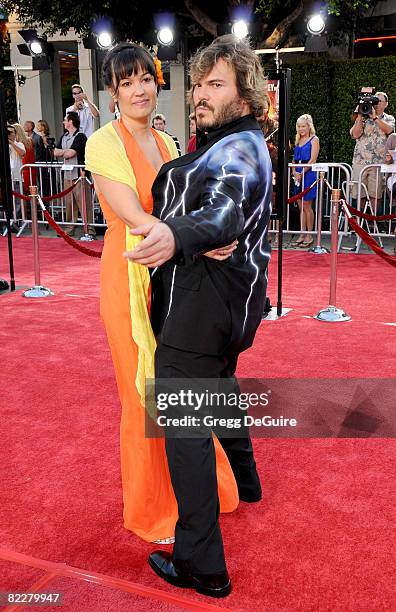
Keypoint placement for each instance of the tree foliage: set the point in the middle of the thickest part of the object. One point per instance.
(134, 20)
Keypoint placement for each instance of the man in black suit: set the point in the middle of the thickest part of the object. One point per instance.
(204, 311)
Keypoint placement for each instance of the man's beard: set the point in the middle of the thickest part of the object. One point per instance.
(225, 114)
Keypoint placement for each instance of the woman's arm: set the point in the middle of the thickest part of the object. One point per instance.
(18, 147)
(314, 150)
(123, 201)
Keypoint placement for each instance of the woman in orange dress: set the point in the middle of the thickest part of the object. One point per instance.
(124, 157)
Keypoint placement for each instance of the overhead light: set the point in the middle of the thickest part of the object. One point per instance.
(105, 40)
(380, 45)
(36, 47)
(165, 36)
(316, 25)
(240, 28)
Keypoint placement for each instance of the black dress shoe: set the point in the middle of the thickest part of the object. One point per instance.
(214, 585)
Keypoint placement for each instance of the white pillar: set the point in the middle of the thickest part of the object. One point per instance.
(172, 104)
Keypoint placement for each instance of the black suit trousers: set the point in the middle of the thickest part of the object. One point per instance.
(192, 466)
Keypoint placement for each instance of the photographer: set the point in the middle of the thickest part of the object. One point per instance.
(87, 111)
(370, 132)
(72, 148)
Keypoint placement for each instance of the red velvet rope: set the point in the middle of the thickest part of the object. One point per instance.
(59, 195)
(301, 194)
(20, 195)
(362, 215)
(74, 243)
(46, 198)
(369, 240)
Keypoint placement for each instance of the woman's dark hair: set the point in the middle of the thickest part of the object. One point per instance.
(123, 61)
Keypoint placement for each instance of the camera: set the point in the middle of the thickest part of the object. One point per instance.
(367, 99)
(50, 143)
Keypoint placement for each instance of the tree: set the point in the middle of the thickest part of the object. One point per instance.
(274, 19)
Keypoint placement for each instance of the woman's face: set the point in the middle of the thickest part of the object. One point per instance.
(302, 128)
(137, 95)
(39, 127)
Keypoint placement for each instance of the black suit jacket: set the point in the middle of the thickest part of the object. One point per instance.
(208, 198)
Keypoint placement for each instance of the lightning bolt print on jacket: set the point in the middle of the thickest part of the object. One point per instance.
(209, 198)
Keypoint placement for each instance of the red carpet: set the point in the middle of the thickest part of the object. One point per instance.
(321, 537)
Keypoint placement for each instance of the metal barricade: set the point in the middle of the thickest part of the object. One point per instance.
(18, 210)
(77, 208)
(379, 179)
(330, 176)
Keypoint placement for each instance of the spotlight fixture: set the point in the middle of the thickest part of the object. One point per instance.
(36, 47)
(105, 40)
(165, 36)
(316, 25)
(240, 28)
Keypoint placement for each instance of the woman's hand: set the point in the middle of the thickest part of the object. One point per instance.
(222, 253)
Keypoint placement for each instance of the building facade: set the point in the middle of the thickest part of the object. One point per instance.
(47, 93)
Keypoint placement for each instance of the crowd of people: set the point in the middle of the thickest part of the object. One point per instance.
(375, 140)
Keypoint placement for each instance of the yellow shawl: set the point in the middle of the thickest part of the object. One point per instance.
(105, 155)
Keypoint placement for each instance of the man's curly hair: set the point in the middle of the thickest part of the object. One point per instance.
(250, 79)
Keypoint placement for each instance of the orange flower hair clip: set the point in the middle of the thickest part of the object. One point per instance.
(158, 70)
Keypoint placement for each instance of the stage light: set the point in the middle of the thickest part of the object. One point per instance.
(316, 25)
(165, 36)
(36, 47)
(240, 28)
(105, 40)
(380, 45)
(41, 52)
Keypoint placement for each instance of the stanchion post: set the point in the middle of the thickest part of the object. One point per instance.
(332, 314)
(37, 290)
(319, 249)
(83, 182)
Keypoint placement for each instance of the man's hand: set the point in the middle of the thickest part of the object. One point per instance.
(222, 253)
(158, 247)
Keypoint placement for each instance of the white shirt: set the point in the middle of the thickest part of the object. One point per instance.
(16, 160)
(87, 125)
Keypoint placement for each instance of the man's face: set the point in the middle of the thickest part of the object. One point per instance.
(216, 98)
(159, 124)
(28, 128)
(381, 106)
(193, 126)
(67, 124)
(76, 93)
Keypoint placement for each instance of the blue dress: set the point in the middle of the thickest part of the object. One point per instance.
(302, 154)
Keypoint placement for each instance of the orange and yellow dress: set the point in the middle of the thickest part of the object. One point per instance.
(150, 508)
